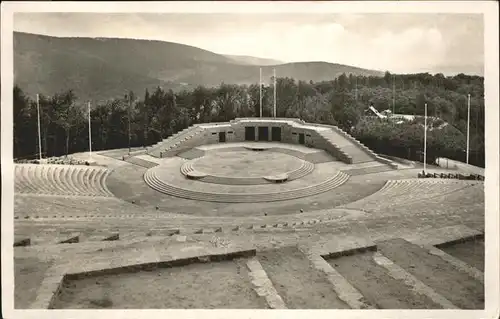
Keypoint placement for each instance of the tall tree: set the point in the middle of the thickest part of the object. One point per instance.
(67, 114)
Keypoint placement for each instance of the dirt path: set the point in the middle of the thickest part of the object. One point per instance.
(377, 286)
(299, 284)
(213, 285)
(459, 288)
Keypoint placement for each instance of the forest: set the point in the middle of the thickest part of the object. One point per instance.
(143, 118)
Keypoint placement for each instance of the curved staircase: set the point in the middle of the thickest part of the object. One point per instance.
(305, 169)
(154, 182)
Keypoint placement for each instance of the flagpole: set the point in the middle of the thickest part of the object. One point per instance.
(274, 77)
(425, 138)
(260, 90)
(90, 134)
(393, 94)
(39, 135)
(356, 89)
(468, 123)
(129, 111)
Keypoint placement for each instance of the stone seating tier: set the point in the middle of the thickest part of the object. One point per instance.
(61, 180)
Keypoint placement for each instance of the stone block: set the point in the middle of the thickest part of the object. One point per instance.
(112, 237)
(71, 240)
(22, 242)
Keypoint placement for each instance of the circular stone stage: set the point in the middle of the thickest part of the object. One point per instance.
(246, 173)
(246, 164)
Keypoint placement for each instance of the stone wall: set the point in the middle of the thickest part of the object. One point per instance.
(235, 132)
(290, 133)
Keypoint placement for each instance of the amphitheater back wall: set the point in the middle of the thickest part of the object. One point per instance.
(235, 131)
(283, 132)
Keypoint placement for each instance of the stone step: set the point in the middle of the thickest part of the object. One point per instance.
(346, 144)
(457, 263)
(414, 284)
(344, 289)
(304, 170)
(101, 236)
(156, 184)
(163, 145)
(55, 237)
(458, 287)
(406, 191)
(377, 283)
(263, 286)
(297, 281)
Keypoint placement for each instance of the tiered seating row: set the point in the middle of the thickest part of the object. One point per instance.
(61, 180)
(225, 180)
(154, 182)
(402, 192)
(186, 168)
(305, 168)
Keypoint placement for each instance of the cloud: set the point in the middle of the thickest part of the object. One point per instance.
(395, 42)
(408, 49)
(278, 40)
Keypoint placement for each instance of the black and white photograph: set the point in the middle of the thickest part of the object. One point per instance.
(257, 157)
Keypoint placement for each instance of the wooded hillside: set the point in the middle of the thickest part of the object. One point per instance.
(158, 113)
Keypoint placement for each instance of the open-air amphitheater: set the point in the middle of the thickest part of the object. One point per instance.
(252, 213)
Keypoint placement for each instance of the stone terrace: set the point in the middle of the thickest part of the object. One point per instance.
(375, 241)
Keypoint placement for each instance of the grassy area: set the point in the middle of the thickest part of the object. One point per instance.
(210, 285)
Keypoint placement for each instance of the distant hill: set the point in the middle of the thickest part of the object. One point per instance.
(251, 60)
(104, 68)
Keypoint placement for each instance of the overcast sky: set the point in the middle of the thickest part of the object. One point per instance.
(395, 42)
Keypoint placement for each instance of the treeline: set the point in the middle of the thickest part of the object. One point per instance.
(141, 121)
